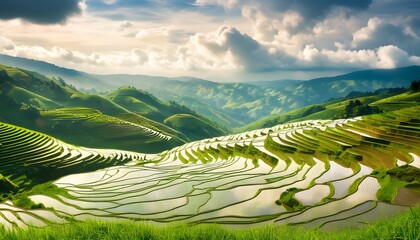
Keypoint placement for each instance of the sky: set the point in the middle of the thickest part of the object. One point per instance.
(220, 40)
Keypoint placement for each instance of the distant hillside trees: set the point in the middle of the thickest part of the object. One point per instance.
(356, 108)
(415, 86)
(306, 111)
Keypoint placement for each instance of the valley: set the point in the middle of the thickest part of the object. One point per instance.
(209, 120)
(70, 157)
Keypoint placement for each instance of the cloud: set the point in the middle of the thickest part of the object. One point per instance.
(125, 25)
(40, 11)
(6, 44)
(305, 8)
(391, 56)
(110, 1)
(169, 34)
(379, 32)
(227, 4)
(313, 10)
(237, 49)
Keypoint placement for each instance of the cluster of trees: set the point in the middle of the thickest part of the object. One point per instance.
(306, 111)
(356, 108)
(415, 86)
(381, 91)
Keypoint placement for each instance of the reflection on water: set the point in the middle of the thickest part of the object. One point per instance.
(240, 183)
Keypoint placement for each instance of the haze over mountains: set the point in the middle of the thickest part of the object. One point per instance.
(232, 104)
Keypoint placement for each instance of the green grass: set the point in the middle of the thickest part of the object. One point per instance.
(392, 180)
(85, 127)
(133, 104)
(385, 102)
(21, 95)
(95, 101)
(136, 101)
(404, 226)
(22, 199)
(288, 200)
(193, 127)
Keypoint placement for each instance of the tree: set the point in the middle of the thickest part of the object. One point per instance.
(356, 108)
(415, 86)
(61, 81)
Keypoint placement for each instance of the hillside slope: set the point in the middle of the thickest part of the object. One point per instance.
(320, 173)
(78, 125)
(24, 96)
(193, 126)
(28, 158)
(383, 99)
(147, 105)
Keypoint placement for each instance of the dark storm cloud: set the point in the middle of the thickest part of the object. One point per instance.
(392, 8)
(311, 9)
(39, 11)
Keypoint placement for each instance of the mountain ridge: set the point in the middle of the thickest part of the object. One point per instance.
(238, 104)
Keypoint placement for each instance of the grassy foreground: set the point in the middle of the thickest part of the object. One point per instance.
(403, 226)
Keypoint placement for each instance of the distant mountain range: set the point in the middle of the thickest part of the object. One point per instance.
(232, 104)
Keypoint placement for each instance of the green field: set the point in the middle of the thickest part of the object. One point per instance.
(384, 101)
(404, 226)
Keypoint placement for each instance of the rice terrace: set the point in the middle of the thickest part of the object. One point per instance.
(309, 128)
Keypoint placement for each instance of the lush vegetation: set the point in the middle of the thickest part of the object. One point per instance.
(356, 108)
(352, 105)
(415, 86)
(404, 226)
(29, 158)
(394, 179)
(314, 173)
(52, 106)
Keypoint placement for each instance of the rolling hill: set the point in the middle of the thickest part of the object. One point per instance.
(52, 106)
(234, 104)
(147, 105)
(193, 126)
(383, 99)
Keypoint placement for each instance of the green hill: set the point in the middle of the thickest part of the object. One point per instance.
(21, 95)
(383, 99)
(89, 127)
(192, 126)
(97, 102)
(123, 111)
(34, 82)
(80, 123)
(147, 105)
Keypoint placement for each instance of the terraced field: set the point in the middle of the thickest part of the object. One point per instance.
(28, 157)
(316, 173)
